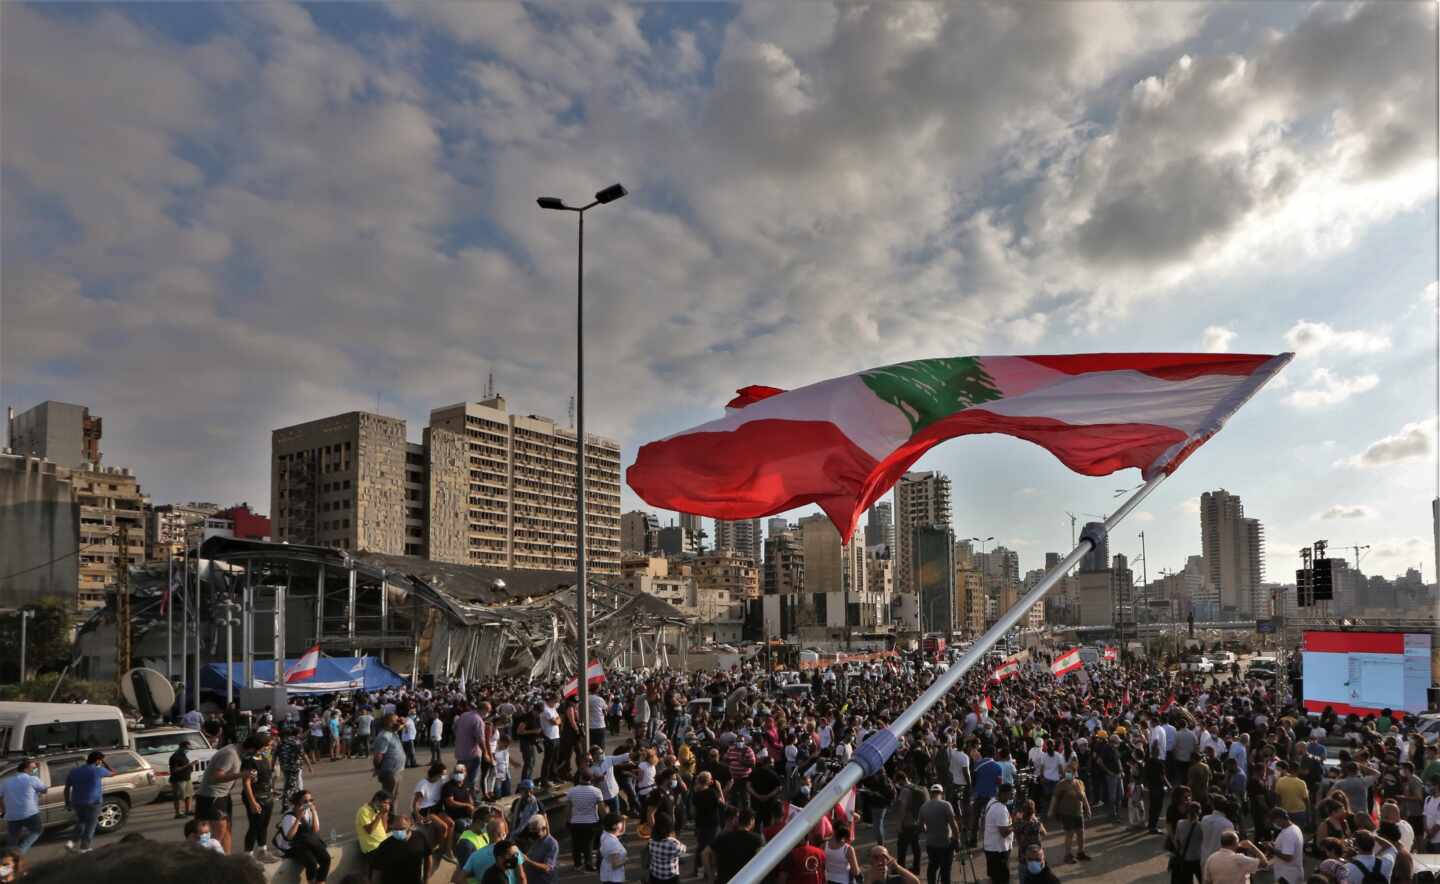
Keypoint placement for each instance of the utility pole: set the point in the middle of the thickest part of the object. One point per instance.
(1144, 586)
(122, 603)
(25, 615)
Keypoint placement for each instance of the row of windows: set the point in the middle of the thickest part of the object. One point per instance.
(335, 525)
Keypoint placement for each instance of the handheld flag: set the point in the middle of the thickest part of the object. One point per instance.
(1009, 669)
(985, 702)
(842, 443)
(594, 674)
(165, 599)
(1125, 698)
(305, 667)
(1066, 663)
(1111, 654)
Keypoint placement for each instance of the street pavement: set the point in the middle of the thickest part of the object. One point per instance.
(1122, 855)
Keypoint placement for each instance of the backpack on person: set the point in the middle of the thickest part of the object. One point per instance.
(1370, 874)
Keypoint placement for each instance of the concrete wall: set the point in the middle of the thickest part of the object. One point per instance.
(39, 533)
(448, 504)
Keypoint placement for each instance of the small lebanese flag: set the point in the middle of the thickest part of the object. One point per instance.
(1112, 654)
(1009, 669)
(594, 674)
(1125, 698)
(304, 667)
(1067, 662)
(985, 703)
(841, 443)
(1168, 703)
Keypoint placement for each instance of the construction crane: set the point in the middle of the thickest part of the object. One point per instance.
(1075, 516)
(1357, 549)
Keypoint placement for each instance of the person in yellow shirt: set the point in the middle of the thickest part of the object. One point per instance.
(686, 758)
(370, 822)
(1293, 795)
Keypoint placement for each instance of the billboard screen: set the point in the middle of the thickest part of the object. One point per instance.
(1365, 672)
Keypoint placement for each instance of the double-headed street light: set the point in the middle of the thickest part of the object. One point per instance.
(582, 612)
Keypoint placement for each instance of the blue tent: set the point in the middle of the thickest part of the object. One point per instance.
(332, 675)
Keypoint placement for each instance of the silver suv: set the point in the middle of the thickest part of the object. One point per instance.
(133, 784)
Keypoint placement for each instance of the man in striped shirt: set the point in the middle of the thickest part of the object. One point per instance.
(741, 762)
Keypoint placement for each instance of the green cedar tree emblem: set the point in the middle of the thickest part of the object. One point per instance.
(927, 390)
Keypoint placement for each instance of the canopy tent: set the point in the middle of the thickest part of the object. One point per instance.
(332, 675)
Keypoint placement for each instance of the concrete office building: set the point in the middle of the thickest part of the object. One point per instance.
(835, 579)
(639, 532)
(782, 580)
(933, 568)
(677, 541)
(880, 525)
(39, 531)
(743, 537)
(1098, 558)
(1234, 551)
(922, 499)
(522, 489)
(171, 527)
(67, 435)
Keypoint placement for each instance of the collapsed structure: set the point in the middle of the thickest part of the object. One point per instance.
(431, 620)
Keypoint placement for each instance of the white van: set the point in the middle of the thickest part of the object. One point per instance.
(40, 728)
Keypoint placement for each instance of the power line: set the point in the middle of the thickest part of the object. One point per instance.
(53, 561)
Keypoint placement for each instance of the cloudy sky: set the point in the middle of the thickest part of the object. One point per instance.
(223, 218)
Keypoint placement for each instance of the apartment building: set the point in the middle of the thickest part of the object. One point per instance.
(522, 489)
(922, 500)
(111, 503)
(171, 527)
(729, 572)
(743, 536)
(62, 433)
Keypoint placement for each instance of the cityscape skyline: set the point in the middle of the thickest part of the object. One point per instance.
(368, 239)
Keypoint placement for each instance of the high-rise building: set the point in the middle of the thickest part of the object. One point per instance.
(776, 525)
(110, 499)
(835, 578)
(880, 525)
(674, 540)
(171, 527)
(1122, 586)
(639, 532)
(522, 489)
(1234, 550)
(742, 536)
(1098, 558)
(933, 568)
(782, 582)
(922, 499)
(341, 482)
(691, 522)
(62, 433)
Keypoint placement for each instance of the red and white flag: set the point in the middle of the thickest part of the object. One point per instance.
(1066, 663)
(594, 674)
(305, 667)
(985, 703)
(1009, 669)
(842, 443)
(1125, 698)
(1112, 654)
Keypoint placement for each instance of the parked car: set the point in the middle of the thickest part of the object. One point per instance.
(1265, 668)
(1427, 725)
(1224, 658)
(1196, 663)
(157, 744)
(134, 784)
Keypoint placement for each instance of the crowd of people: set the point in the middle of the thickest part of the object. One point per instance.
(688, 774)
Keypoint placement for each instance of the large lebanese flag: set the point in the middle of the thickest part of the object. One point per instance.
(1008, 669)
(594, 674)
(1067, 662)
(842, 443)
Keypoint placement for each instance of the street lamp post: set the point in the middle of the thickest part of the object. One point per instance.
(25, 616)
(582, 612)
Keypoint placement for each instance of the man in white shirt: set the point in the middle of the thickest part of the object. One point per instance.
(596, 719)
(959, 766)
(998, 836)
(1232, 862)
(1289, 849)
(437, 733)
(550, 733)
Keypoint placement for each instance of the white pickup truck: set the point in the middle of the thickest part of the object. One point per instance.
(157, 744)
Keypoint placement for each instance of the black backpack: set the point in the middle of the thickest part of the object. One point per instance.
(1370, 874)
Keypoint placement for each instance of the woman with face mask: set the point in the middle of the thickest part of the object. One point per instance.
(1034, 869)
(426, 806)
(299, 838)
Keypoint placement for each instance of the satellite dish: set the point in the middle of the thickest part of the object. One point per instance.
(148, 692)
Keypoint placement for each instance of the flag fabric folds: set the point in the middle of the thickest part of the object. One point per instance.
(1111, 654)
(1066, 663)
(842, 443)
(304, 667)
(594, 674)
(1009, 669)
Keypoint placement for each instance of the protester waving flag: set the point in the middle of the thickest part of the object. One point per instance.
(1009, 669)
(842, 443)
(1111, 654)
(594, 674)
(1066, 663)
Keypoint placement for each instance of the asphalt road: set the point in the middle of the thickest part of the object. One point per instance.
(1122, 856)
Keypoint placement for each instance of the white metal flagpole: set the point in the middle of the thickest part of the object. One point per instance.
(871, 756)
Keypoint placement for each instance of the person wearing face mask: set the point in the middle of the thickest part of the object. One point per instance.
(458, 801)
(12, 866)
(1071, 806)
(197, 832)
(525, 806)
(1033, 867)
(299, 839)
(20, 805)
(425, 804)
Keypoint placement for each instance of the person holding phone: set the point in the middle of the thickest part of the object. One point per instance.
(885, 869)
(299, 838)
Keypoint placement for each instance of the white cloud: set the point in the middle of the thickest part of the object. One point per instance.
(1315, 338)
(1144, 516)
(1190, 505)
(1217, 339)
(1325, 388)
(1343, 511)
(1409, 550)
(1414, 441)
